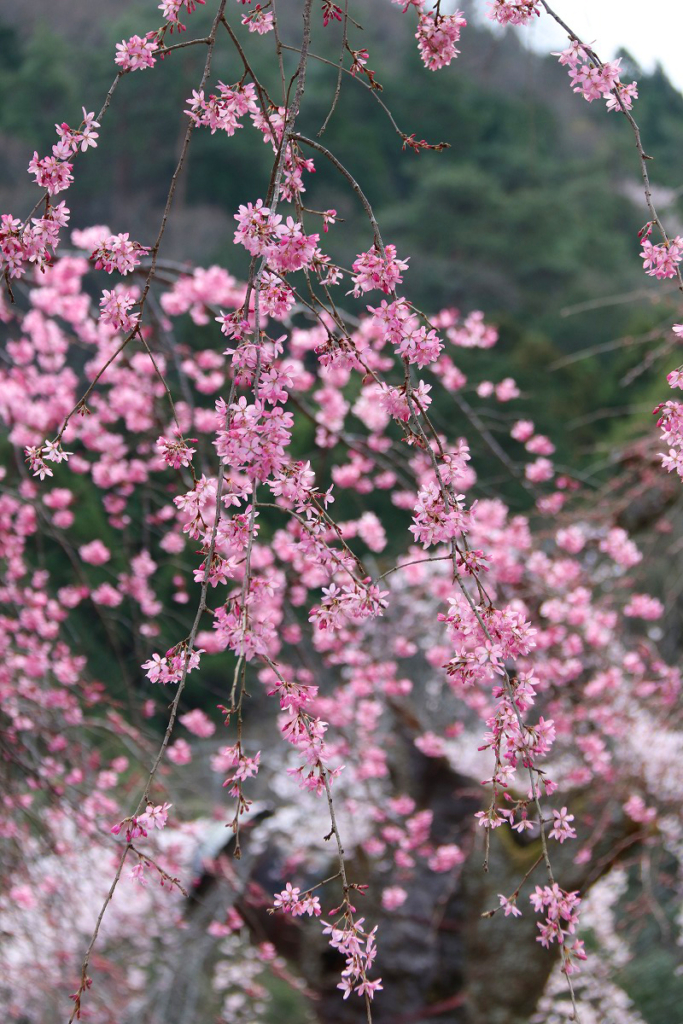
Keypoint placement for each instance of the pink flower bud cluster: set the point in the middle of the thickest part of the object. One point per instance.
(331, 12)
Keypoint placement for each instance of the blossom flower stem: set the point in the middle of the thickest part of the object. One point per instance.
(273, 194)
(330, 522)
(490, 913)
(170, 348)
(240, 665)
(81, 405)
(162, 51)
(340, 70)
(83, 986)
(278, 50)
(319, 885)
(167, 390)
(373, 92)
(492, 443)
(333, 311)
(164, 875)
(352, 182)
(334, 831)
(181, 159)
(417, 426)
(413, 561)
(201, 608)
(342, 868)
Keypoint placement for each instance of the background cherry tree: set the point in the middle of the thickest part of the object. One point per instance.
(295, 713)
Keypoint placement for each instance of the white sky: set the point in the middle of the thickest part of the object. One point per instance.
(652, 30)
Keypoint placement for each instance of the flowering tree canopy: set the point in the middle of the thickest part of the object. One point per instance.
(293, 708)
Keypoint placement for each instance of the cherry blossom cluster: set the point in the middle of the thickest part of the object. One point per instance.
(259, 20)
(51, 173)
(400, 325)
(222, 111)
(437, 33)
(513, 12)
(360, 951)
(137, 53)
(436, 37)
(173, 666)
(24, 246)
(306, 733)
(661, 261)
(37, 457)
(21, 244)
(118, 252)
(434, 521)
(378, 269)
(312, 550)
(595, 80)
(138, 826)
(73, 139)
(292, 902)
(561, 919)
(115, 306)
(671, 423)
(402, 834)
(285, 246)
(341, 604)
(562, 828)
(175, 453)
